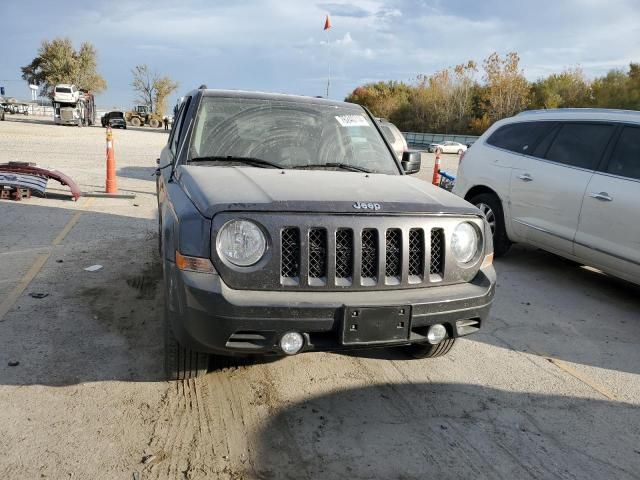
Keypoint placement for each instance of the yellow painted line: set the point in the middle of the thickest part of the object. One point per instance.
(8, 302)
(580, 376)
(41, 259)
(70, 224)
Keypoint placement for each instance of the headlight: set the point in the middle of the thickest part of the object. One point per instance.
(464, 243)
(241, 242)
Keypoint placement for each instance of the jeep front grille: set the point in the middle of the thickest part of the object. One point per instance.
(333, 256)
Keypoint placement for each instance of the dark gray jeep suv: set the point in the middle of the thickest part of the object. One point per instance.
(288, 225)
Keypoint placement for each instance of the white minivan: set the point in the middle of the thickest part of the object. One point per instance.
(566, 181)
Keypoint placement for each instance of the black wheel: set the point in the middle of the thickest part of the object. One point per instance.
(490, 206)
(180, 362)
(426, 350)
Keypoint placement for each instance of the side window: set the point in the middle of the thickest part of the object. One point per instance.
(625, 160)
(174, 138)
(519, 137)
(580, 144)
(387, 133)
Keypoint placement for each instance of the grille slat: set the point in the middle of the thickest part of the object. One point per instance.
(290, 259)
(416, 252)
(317, 253)
(369, 268)
(393, 258)
(344, 253)
(437, 252)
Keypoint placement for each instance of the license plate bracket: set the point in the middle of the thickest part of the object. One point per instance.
(375, 325)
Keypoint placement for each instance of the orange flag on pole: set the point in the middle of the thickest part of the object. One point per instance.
(327, 23)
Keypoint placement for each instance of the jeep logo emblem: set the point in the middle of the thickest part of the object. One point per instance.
(367, 206)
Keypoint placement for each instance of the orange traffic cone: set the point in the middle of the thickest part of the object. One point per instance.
(436, 169)
(112, 185)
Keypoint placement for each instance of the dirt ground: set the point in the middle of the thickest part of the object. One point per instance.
(549, 389)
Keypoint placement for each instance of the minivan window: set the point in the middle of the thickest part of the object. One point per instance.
(519, 137)
(580, 144)
(63, 90)
(625, 160)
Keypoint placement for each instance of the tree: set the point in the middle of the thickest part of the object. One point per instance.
(382, 98)
(507, 89)
(567, 89)
(152, 89)
(58, 62)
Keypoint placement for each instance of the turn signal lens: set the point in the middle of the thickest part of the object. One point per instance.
(193, 264)
(488, 261)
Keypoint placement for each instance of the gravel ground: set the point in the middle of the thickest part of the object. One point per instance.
(549, 389)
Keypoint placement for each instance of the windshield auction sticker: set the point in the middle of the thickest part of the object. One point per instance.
(352, 120)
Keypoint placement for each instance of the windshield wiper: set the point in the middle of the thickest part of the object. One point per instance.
(258, 162)
(344, 166)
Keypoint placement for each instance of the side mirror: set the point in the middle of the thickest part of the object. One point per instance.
(411, 161)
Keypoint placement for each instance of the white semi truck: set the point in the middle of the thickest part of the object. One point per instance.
(72, 106)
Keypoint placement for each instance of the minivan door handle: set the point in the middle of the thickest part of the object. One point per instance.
(525, 177)
(604, 196)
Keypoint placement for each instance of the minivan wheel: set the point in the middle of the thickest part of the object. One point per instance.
(426, 350)
(491, 207)
(181, 363)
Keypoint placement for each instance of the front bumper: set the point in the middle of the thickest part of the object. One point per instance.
(208, 316)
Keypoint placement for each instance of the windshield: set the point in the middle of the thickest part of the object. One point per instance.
(289, 134)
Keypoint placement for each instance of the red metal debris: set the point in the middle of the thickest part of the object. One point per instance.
(31, 168)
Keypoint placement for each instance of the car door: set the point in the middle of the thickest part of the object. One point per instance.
(547, 186)
(609, 230)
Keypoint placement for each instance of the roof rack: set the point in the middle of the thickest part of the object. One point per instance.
(579, 110)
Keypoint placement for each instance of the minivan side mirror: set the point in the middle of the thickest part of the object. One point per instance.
(411, 161)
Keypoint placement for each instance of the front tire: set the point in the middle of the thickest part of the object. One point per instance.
(135, 121)
(490, 205)
(180, 362)
(426, 350)
(153, 123)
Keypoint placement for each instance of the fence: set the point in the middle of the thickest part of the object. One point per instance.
(422, 140)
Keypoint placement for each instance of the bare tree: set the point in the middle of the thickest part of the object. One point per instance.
(143, 85)
(153, 90)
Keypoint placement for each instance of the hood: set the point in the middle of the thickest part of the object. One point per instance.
(216, 189)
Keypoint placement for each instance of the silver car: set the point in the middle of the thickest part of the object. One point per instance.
(566, 181)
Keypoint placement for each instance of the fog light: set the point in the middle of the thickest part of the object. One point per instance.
(436, 333)
(291, 343)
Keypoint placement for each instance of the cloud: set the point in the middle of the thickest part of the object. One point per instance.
(344, 10)
(280, 45)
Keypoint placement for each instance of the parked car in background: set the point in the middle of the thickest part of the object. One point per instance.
(65, 93)
(394, 136)
(114, 119)
(448, 147)
(287, 225)
(566, 181)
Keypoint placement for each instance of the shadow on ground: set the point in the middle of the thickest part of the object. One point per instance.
(447, 431)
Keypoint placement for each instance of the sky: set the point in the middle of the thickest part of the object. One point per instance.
(280, 45)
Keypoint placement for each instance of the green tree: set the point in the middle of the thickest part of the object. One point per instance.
(152, 89)
(58, 62)
(567, 89)
(382, 98)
